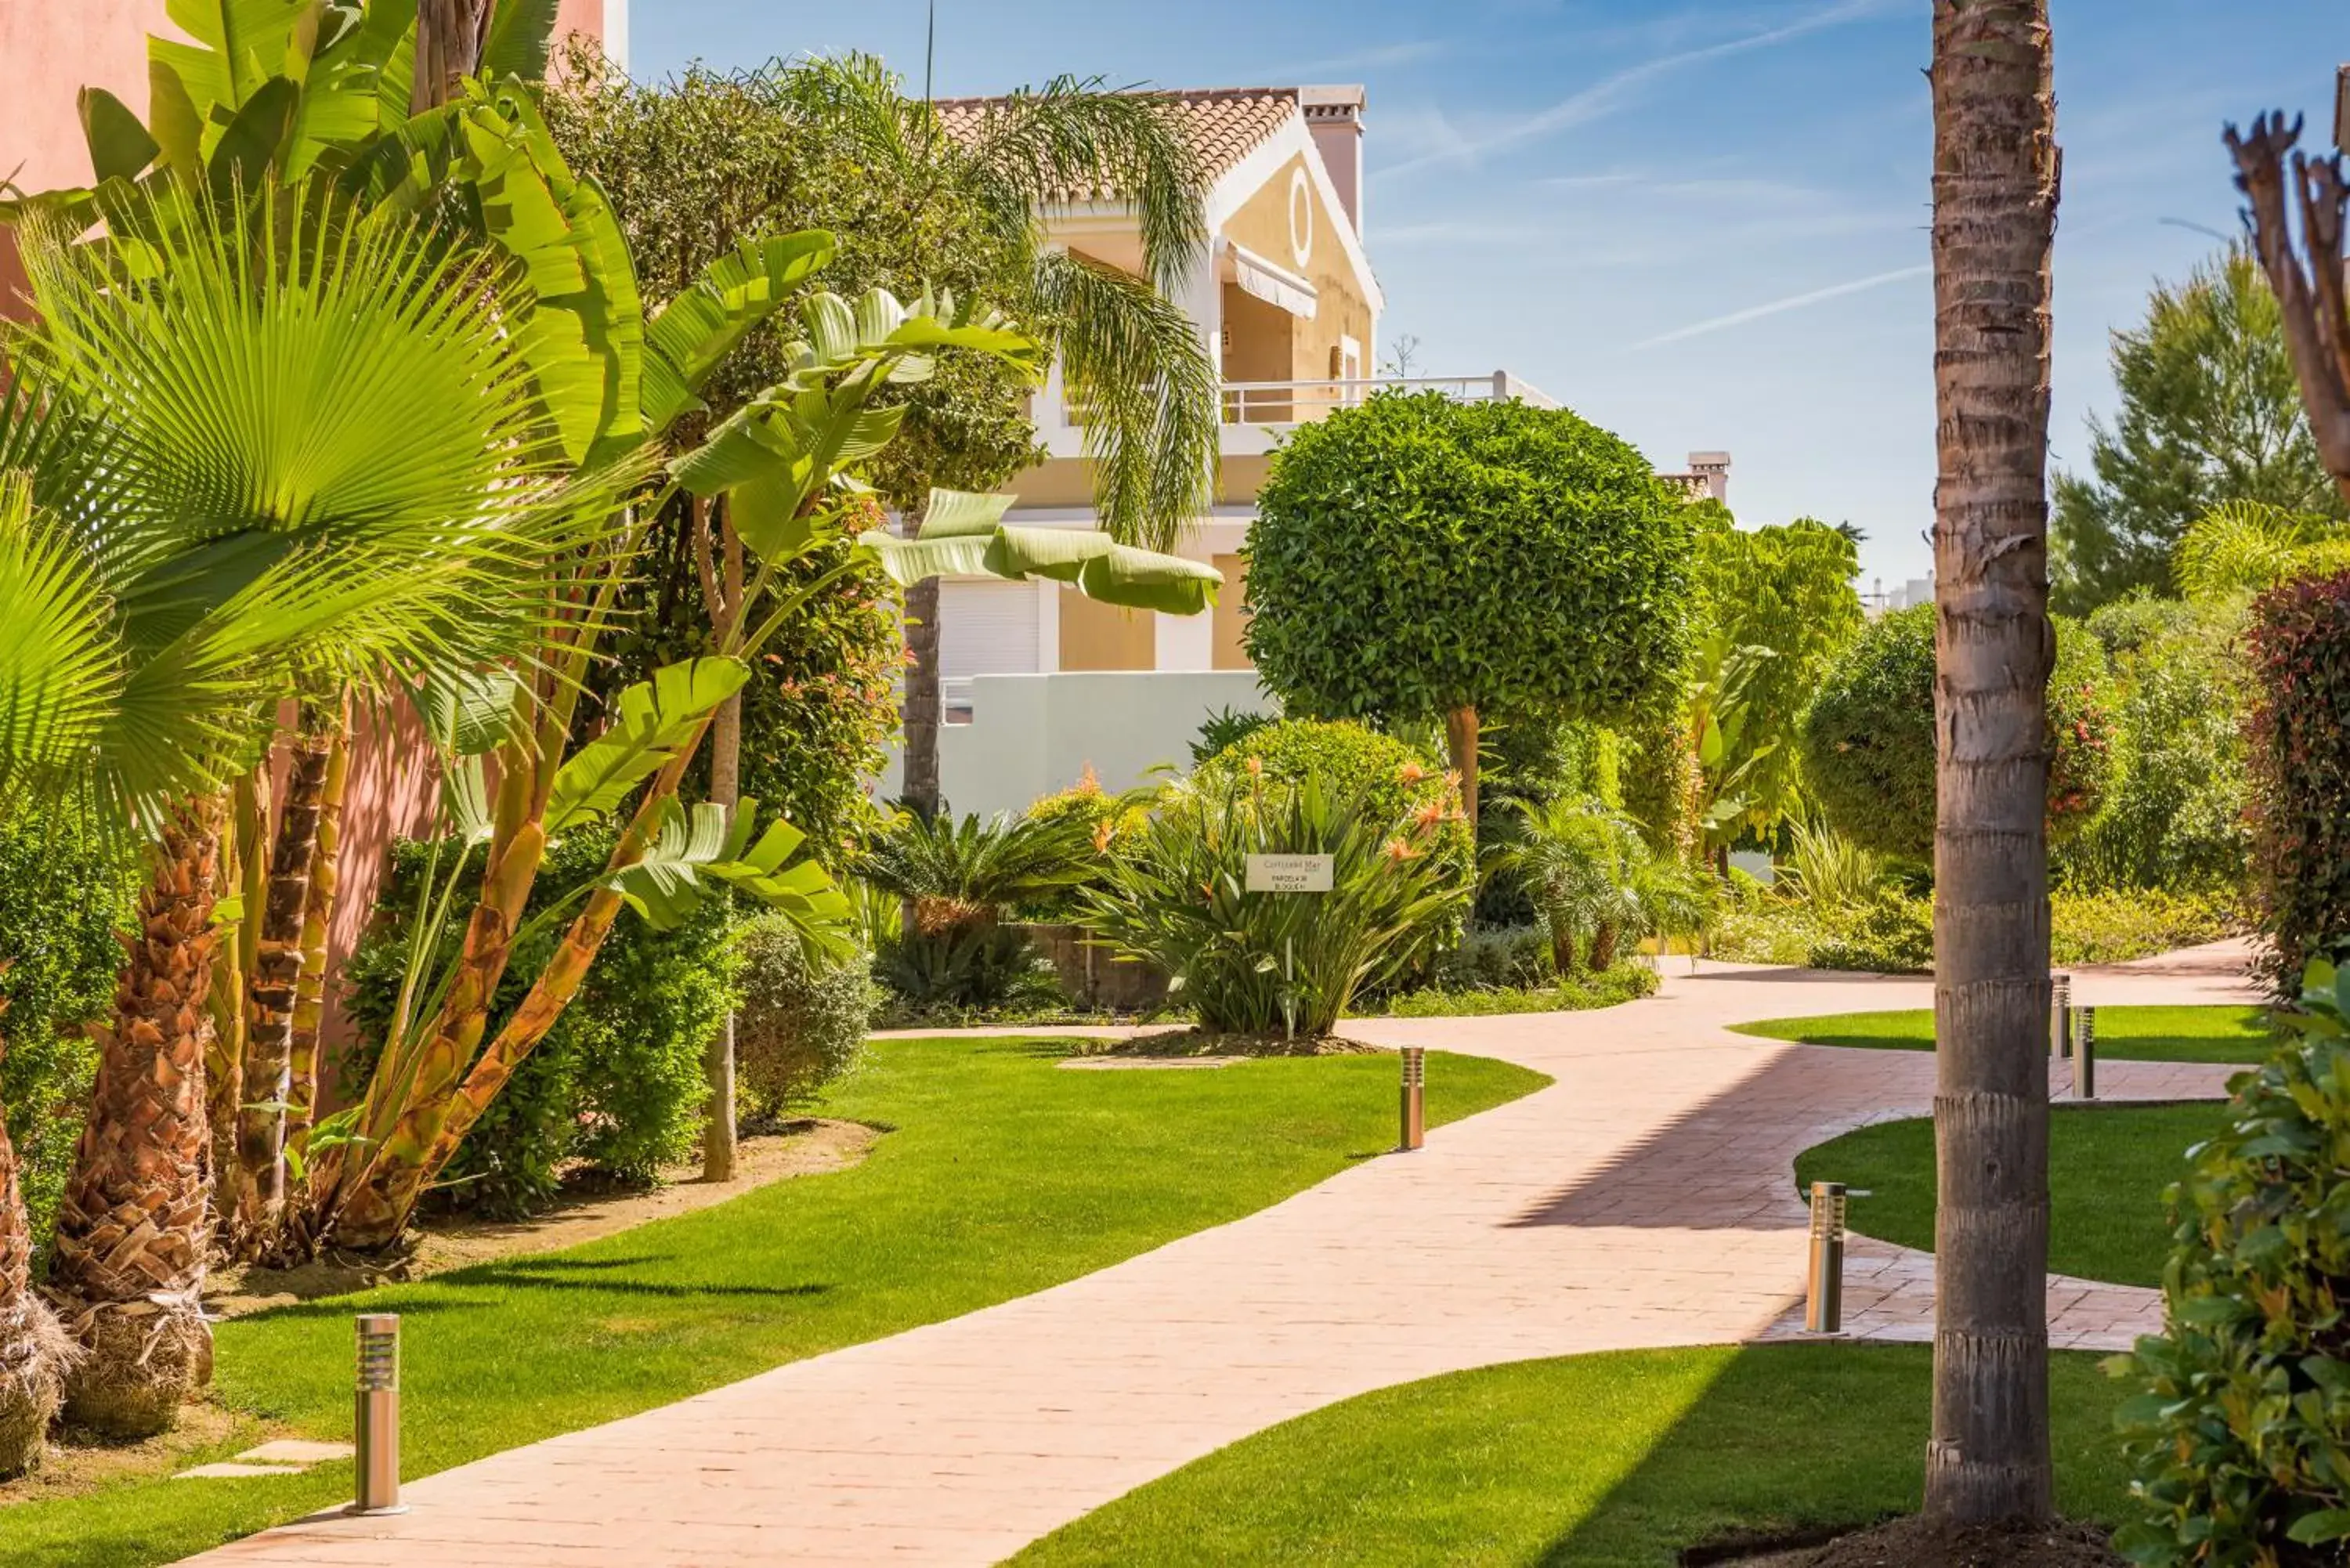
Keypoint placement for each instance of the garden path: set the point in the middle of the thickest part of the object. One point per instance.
(1643, 1199)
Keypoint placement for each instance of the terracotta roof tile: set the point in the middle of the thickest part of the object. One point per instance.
(1224, 124)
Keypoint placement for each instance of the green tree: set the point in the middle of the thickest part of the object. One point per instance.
(1784, 592)
(1418, 560)
(2208, 414)
(1868, 739)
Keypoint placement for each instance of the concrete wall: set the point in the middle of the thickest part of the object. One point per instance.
(1031, 736)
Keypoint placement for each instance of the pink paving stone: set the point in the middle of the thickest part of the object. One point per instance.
(1645, 1198)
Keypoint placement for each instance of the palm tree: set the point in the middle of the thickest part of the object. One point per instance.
(2244, 546)
(234, 536)
(1133, 361)
(1995, 181)
(1595, 880)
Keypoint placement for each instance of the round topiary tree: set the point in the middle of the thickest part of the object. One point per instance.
(1419, 559)
(1868, 734)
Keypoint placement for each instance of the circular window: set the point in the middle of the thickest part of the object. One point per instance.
(1301, 216)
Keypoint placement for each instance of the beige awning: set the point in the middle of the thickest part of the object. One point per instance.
(1274, 284)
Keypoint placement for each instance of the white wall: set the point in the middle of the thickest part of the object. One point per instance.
(1031, 736)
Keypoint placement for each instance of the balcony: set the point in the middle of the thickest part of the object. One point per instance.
(1257, 413)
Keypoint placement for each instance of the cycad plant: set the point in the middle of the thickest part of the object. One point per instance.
(1132, 362)
(957, 879)
(1276, 962)
(216, 531)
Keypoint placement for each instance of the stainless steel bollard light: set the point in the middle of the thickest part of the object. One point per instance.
(378, 1415)
(2060, 1007)
(1823, 1311)
(2085, 1057)
(1415, 1085)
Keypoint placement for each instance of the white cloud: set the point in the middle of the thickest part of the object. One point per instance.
(1610, 93)
(1793, 302)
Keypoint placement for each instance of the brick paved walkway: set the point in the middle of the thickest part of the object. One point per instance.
(1643, 1199)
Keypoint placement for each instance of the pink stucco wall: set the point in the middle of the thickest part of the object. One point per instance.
(50, 50)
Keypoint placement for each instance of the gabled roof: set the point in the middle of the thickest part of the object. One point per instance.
(1224, 124)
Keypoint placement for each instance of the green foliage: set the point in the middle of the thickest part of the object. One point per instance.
(2242, 1437)
(1628, 981)
(1829, 871)
(62, 899)
(2299, 760)
(1264, 963)
(2173, 810)
(1787, 590)
(2118, 926)
(1893, 933)
(802, 1020)
(2244, 546)
(962, 878)
(1393, 779)
(1868, 735)
(1226, 728)
(1112, 825)
(1497, 959)
(1414, 556)
(2210, 413)
(1595, 882)
(618, 1082)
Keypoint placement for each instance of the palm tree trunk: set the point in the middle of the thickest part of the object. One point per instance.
(317, 921)
(1995, 184)
(243, 876)
(258, 1184)
(450, 35)
(133, 1230)
(35, 1351)
(1603, 947)
(1460, 743)
(922, 714)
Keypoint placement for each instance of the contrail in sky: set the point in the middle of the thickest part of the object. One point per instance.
(1793, 302)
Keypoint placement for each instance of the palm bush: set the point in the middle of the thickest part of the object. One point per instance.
(1595, 880)
(1261, 963)
(2242, 1439)
(1831, 870)
(958, 879)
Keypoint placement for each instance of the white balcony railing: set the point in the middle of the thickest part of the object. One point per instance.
(1296, 402)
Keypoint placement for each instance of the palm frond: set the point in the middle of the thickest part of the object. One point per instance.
(2244, 546)
(1147, 390)
(59, 659)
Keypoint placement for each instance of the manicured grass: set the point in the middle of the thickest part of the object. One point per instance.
(2106, 1170)
(2222, 1034)
(1598, 1461)
(1000, 1175)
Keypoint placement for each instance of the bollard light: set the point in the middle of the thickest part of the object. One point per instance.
(2060, 1008)
(1415, 1085)
(1823, 1311)
(2085, 1057)
(378, 1415)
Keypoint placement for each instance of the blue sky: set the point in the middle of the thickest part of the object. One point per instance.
(1700, 223)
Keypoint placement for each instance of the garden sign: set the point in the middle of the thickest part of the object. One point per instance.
(1289, 873)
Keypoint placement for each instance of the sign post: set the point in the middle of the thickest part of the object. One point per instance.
(1290, 873)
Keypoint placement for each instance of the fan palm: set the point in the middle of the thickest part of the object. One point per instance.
(960, 875)
(1130, 358)
(231, 537)
(1595, 880)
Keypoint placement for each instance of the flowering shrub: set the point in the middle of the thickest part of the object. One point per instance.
(1348, 760)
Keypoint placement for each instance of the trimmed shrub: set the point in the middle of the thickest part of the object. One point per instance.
(801, 1023)
(1510, 957)
(1868, 735)
(2242, 1442)
(62, 900)
(616, 1085)
(2115, 927)
(1264, 963)
(1891, 934)
(1391, 779)
(1112, 824)
(2298, 754)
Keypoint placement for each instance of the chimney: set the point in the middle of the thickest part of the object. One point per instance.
(1713, 469)
(1335, 116)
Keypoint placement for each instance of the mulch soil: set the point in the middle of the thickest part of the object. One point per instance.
(1919, 1543)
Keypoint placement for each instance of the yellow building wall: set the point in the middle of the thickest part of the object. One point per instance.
(1232, 615)
(1095, 636)
(1262, 226)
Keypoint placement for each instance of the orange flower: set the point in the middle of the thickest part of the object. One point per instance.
(1411, 773)
(1103, 831)
(1430, 813)
(1088, 782)
(1257, 767)
(1397, 850)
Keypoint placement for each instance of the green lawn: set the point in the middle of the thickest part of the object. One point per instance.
(1594, 1461)
(2106, 1170)
(1000, 1175)
(2124, 1033)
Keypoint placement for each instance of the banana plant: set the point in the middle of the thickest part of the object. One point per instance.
(1724, 784)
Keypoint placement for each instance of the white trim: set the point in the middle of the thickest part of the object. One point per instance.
(1274, 284)
(1253, 172)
